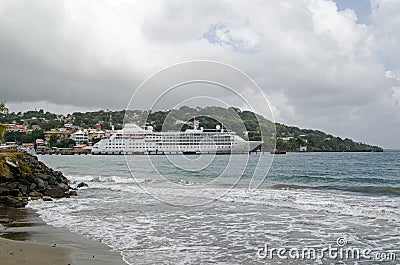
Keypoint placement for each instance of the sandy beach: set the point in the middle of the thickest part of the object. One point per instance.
(17, 252)
(26, 239)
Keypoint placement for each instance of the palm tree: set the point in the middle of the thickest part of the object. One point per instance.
(3, 127)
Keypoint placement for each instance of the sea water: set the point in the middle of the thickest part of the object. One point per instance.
(212, 210)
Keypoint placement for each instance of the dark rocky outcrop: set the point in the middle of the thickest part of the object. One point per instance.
(23, 177)
(81, 185)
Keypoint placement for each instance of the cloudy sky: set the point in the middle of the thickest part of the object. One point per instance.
(322, 64)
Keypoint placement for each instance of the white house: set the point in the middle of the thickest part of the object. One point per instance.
(303, 149)
(80, 137)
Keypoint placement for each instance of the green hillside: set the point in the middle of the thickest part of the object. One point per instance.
(245, 123)
(317, 141)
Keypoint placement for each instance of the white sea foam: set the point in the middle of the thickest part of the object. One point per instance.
(99, 178)
(135, 231)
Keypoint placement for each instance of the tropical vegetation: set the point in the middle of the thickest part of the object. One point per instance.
(245, 123)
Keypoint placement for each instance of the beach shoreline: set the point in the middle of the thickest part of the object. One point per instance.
(24, 237)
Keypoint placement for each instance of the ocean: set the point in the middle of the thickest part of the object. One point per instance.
(235, 209)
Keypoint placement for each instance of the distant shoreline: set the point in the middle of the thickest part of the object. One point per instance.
(258, 152)
(84, 129)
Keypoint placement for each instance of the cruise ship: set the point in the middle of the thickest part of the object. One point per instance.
(133, 139)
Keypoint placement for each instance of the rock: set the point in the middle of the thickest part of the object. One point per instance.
(14, 192)
(52, 181)
(29, 178)
(24, 159)
(24, 182)
(44, 176)
(24, 175)
(63, 186)
(82, 184)
(4, 191)
(59, 176)
(54, 193)
(8, 177)
(35, 194)
(12, 185)
(23, 189)
(40, 183)
(11, 202)
(71, 193)
(43, 166)
(47, 199)
(32, 187)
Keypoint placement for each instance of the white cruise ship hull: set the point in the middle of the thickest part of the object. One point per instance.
(133, 140)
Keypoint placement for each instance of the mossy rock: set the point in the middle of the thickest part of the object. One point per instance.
(24, 169)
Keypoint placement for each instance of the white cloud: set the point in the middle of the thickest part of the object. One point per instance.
(393, 74)
(385, 26)
(396, 95)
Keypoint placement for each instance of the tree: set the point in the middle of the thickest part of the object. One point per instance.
(13, 137)
(3, 108)
(53, 140)
(65, 143)
(3, 127)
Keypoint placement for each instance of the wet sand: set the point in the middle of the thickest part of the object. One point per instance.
(26, 239)
(17, 252)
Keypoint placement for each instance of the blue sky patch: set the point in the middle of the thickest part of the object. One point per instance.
(361, 7)
(241, 40)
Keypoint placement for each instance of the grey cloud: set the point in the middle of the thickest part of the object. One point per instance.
(41, 59)
(318, 63)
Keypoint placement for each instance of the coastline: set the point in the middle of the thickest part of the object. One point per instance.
(24, 237)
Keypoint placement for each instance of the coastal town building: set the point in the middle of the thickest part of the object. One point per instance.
(55, 132)
(80, 137)
(95, 134)
(66, 133)
(39, 141)
(27, 145)
(285, 138)
(303, 149)
(11, 144)
(17, 128)
(35, 127)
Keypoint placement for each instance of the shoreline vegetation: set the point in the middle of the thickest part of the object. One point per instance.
(55, 130)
